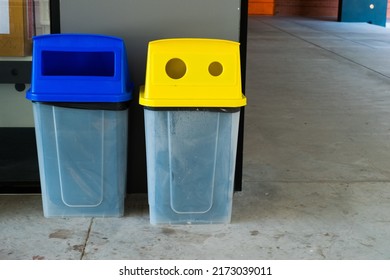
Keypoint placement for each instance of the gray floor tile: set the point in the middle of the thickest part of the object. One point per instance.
(27, 235)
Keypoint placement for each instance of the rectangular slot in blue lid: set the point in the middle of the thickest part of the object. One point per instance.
(76, 63)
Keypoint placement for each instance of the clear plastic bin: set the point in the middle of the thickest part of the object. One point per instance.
(191, 162)
(192, 98)
(80, 91)
(82, 160)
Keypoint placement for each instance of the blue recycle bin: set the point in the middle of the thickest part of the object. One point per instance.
(80, 89)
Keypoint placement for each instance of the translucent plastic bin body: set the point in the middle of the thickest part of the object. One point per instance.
(82, 158)
(191, 158)
(192, 99)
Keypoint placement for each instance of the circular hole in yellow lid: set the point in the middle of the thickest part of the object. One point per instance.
(215, 68)
(175, 68)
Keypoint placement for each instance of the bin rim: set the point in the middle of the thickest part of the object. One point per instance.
(106, 106)
(210, 103)
(50, 97)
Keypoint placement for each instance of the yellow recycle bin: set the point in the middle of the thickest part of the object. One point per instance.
(192, 98)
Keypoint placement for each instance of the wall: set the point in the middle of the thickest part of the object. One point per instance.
(311, 8)
(388, 9)
(261, 7)
(139, 22)
(15, 109)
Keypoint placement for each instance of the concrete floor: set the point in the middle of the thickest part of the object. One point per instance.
(316, 179)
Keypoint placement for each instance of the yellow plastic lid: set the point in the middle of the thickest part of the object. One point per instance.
(192, 72)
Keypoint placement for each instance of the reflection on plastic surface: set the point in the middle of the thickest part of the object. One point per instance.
(192, 160)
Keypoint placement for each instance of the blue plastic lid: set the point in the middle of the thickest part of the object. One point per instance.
(79, 68)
